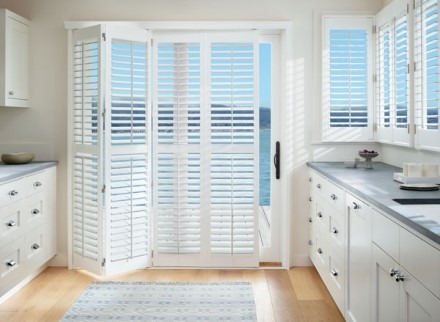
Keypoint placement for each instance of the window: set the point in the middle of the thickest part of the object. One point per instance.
(347, 79)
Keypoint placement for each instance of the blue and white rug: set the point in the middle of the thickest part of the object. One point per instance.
(151, 301)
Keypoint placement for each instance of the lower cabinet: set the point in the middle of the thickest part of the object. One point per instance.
(397, 295)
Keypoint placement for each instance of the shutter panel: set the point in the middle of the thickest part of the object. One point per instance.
(87, 151)
(426, 78)
(392, 87)
(347, 79)
(128, 155)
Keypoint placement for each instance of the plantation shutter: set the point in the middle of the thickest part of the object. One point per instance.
(206, 145)
(111, 149)
(87, 149)
(127, 157)
(347, 79)
(392, 84)
(233, 135)
(427, 73)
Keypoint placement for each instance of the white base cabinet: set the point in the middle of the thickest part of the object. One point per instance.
(27, 226)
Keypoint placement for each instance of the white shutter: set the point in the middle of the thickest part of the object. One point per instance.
(127, 153)
(392, 86)
(234, 174)
(347, 79)
(427, 73)
(87, 151)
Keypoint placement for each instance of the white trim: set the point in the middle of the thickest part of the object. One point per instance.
(69, 148)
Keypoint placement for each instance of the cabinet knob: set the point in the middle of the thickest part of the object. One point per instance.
(334, 272)
(11, 93)
(35, 246)
(310, 199)
(37, 184)
(310, 219)
(310, 179)
(11, 223)
(393, 272)
(333, 197)
(356, 205)
(11, 263)
(399, 277)
(320, 214)
(310, 242)
(318, 186)
(320, 251)
(334, 230)
(13, 193)
(35, 211)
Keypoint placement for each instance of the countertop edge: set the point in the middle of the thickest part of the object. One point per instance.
(28, 168)
(379, 205)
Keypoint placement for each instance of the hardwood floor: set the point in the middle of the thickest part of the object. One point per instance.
(297, 294)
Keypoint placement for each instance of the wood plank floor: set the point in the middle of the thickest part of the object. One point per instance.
(297, 294)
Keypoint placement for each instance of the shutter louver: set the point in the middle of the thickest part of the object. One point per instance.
(384, 60)
(427, 73)
(401, 75)
(348, 78)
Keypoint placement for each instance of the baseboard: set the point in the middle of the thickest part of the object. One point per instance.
(301, 260)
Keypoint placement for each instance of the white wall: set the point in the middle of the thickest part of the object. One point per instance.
(42, 128)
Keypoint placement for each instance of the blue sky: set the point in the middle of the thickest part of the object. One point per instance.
(265, 74)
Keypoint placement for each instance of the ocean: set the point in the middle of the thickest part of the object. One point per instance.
(265, 167)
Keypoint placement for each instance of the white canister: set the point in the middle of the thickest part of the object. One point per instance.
(415, 170)
(430, 170)
(405, 169)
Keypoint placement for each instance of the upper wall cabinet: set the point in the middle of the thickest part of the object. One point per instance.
(14, 59)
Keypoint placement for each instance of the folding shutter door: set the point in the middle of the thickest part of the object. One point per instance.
(87, 151)
(127, 153)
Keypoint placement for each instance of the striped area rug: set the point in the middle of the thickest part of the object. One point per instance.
(162, 301)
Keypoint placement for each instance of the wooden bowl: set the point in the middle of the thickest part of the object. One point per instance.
(17, 158)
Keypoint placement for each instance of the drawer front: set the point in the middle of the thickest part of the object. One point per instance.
(337, 233)
(321, 217)
(335, 196)
(36, 246)
(335, 279)
(11, 223)
(318, 182)
(11, 192)
(386, 234)
(421, 260)
(34, 212)
(38, 182)
(11, 260)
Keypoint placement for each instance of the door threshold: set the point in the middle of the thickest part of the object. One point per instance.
(270, 265)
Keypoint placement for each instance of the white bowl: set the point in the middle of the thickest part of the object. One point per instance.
(17, 158)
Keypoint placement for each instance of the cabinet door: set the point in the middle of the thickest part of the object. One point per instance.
(359, 221)
(416, 302)
(385, 288)
(17, 60)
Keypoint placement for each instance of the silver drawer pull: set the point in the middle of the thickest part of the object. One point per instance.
(334, 272)
(333, 197)
(320, 214)
(310, 242)
(320, 251)
(356, 205)
(310, 199)
(37, 184)
(35, 211)
(318, 186)
(310, 179)
(35, 246)
(393, 272)
(334, 230)
(310, 219)
(11, 223)
(11, 263)
(13, 193)
(11, 93)
(399, 278)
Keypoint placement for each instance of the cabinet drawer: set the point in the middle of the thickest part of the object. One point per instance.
(321, 217)
(38, 182)
(317, 183)
(421, 260)
(34, 213)
(11, 260)
(335, 196)
(336, 278)
(36, 246)
(337, 232)
(386, 234)
(11, 192)
(11, 223)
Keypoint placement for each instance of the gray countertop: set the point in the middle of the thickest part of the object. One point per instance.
(10, 172)
(377, 187)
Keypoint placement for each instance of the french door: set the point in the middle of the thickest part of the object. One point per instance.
(193, 141)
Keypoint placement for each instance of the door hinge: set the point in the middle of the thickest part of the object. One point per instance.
(415, 67)
(103, 262)
(103, 36)
(407, 69)
(103, 114)
(375, 127)
(152, 253)
(374, 78)
(374, 29)
(103, 189)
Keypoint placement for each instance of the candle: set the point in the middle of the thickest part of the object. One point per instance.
(405, 169)
(430, 170)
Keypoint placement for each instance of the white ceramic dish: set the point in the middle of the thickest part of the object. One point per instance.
(17, 158)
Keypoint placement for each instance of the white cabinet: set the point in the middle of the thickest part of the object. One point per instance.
(406, 274)
(27, 226)
(14, 59)
(359, 275)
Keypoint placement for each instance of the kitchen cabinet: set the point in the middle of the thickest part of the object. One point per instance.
(14, 59)
(406, 287)
(27, 226)
(359, 275)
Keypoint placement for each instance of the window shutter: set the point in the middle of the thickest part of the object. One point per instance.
(427, 73)
(392, 86)
(87, 149)
(347, 79)
(127, 158)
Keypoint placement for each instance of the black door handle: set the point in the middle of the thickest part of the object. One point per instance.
(277, 159)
